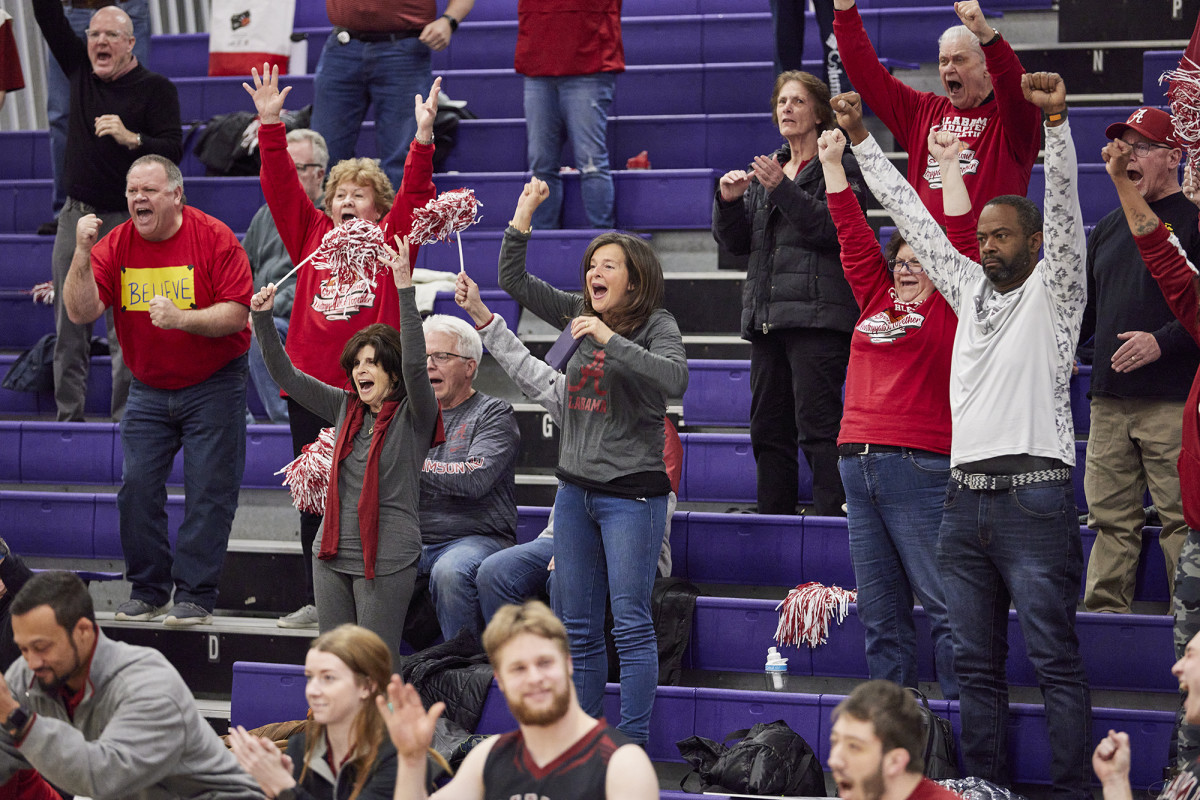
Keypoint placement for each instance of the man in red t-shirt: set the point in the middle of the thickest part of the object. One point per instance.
(877, 746)
(179, 285)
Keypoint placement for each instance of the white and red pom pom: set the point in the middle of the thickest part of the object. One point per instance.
(352, 251)
(449, 212)
(805, 613)
(1184, 96)
(43, 293)
(307, 476)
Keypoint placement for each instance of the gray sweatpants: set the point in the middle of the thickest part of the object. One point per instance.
(379, 604)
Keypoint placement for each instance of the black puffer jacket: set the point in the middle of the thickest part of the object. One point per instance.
(794, 279)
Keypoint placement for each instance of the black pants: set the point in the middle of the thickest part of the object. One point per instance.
(796, 378)
(306, 426)
(788, 19)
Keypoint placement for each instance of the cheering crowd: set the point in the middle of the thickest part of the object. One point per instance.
(950, 454)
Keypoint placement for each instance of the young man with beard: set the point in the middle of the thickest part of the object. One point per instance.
(1009, 532)
(101, 718)
(877, 746)
(558, 751)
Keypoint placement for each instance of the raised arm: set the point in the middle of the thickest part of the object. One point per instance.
(536, 379)
(410, 728)
(949, 270)
(553, 305)
(416, 187)
(862, 259)
(421, 398)
(81, 295)
(296, 218)
(317, 396)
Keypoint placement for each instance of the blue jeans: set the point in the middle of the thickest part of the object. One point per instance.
(608, 546)
(357, 74)
(58, 87)
(451, 567)
(514, 575)
(574, 106)
(207, 421)
(894, 503)
(1020, 546)
(267, 388)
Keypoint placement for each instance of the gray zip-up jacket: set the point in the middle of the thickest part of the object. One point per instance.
(136, 735)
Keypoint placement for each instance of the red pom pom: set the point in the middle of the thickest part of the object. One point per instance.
(307, 476)
(351, 251)
(43, 293)
(804, 615)
(447, 213)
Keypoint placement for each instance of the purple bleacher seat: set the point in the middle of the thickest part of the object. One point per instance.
(737, 88)
(234, 201)
(26, 258)
(489, 145)
(24, 320)
(1077, 475)
(268, 450)
(910, 33)
(1154, 64)
(718, 467)
(733, 140)
(266, 693)
(1152, 567)
(1150, 734)
(311, 13)
(674, 39)
(674, 141)
(1087, 129)
(718, 393)
(23, 203)
(17, 155)
(759, 549)
(107, 536)
(1081, 407)
(827, 552)
(844, 654)
(680, 198)
(179, 55)
(1097, 196)
(531, 521)
(51, 524)
(644, 89)
(99, 386)
(1126, 652)
(12, 402)
(553, 256)
(68, 452)
(722, 711)
(497, 300)
(482, 44)
(10, 451)
(732, 634)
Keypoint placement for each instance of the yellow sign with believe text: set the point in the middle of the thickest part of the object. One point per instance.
(140, 286)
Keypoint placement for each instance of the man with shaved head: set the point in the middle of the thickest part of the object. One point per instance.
(119, 111)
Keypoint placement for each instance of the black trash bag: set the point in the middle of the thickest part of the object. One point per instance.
(220, 149)
(770, 759)
(672, 606)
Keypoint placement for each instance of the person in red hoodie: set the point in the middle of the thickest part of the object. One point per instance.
(1177, 277)
(325, 316)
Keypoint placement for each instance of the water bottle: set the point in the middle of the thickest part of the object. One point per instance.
(775, 671)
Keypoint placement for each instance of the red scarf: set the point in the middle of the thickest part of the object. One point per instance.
(368, 501)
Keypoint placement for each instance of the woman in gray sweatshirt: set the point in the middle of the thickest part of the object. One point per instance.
(611, 506)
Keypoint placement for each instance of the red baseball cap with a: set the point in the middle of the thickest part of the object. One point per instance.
(1153, 123)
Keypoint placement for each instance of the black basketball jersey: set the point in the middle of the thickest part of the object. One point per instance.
(578, 774)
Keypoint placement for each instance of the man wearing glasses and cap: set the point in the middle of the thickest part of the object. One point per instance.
(1141, 372)
(468, 485)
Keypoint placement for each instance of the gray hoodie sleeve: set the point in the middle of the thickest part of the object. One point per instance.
(536, 379)
(553, 305)
(318, 397)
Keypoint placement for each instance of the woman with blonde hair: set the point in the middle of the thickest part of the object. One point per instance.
(344, 752)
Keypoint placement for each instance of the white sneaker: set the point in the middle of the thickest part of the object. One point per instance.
(305, 617)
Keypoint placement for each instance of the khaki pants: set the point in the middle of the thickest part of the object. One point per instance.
(1133, 445)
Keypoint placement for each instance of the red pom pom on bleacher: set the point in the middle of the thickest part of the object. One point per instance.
(307, 476)
(43, 293)
(805, 613)
(449, 212)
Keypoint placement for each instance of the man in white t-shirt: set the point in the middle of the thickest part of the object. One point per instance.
(1009, 530)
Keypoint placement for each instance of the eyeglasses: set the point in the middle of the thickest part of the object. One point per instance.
(1142, 149)
(443, 357)
(108, 36)
(302, 167)
(913, 267)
